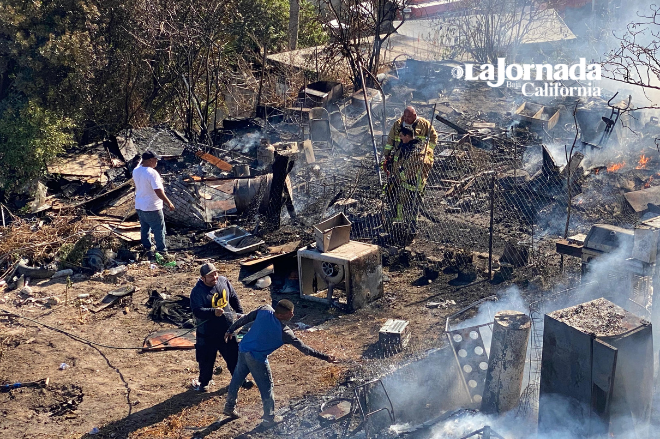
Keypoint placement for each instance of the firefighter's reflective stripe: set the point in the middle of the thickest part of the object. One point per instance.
(411, 187)
(399, 212)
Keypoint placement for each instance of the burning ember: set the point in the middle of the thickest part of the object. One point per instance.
(648, 183)
(643, 160)
(615, 167)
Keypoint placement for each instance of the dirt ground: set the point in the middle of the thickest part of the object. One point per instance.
(125, 393)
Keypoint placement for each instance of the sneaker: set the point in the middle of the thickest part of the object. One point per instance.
(232, 413)
(247, 384)
(271, 422)
(197, 386)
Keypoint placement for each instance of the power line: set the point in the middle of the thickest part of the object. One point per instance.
(90, 342)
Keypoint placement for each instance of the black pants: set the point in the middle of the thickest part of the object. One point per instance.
(205, 352)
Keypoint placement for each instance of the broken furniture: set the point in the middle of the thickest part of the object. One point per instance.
(394, 335)
(641, 201)
(355, 269)
(320, 93)
(537, 117)
(598, 364)
(319, 126)
(235, 239)
(276, 252)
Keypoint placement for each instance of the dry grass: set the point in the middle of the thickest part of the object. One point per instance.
(41, 240)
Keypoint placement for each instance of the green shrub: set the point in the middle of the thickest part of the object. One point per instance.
(30, 137)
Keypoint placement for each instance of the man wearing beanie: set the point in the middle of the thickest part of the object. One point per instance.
(214, 304)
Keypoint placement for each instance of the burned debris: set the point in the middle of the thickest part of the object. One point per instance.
(529, 228)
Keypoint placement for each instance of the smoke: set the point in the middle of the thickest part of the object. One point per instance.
(245, 144)
(437, 376)
(509, 300)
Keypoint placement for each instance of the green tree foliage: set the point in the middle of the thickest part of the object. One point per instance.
(106, 65)
(49, 52)
(30, 136)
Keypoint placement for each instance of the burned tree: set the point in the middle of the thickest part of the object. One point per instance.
(486, 30)
(358, 31)
(636, 60)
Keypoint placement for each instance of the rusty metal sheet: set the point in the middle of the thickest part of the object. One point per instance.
(226, 186)
(170, 339)
(218, 163)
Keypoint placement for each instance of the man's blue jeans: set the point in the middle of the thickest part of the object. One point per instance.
(153, 220)
(260, 371)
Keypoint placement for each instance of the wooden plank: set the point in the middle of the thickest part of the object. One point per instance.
(309, 151)
(218, 163)
(566, 248)
(126, 235)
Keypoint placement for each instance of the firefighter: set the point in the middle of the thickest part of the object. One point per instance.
(422, 129)
(407, 166)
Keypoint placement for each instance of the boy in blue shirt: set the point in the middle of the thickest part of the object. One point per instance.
(268, 333)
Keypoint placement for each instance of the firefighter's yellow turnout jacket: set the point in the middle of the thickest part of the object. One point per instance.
(410, 169)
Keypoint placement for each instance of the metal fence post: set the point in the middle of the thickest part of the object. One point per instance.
(490, 229)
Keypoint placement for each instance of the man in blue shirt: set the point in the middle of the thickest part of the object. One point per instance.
(214, 304)
(268, 333)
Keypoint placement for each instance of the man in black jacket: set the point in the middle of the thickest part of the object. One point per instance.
(214, 304)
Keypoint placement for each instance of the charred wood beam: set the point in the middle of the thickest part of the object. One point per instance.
(281, 168)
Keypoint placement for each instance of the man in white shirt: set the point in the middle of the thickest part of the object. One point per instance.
(149, 199)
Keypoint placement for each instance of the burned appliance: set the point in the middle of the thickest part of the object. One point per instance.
(637, 251)
(350, 275)
(605, 238)
(597, 364)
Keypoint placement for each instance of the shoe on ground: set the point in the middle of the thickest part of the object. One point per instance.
(268, 423)
(197, 386)
(247, 384)
(232, 413)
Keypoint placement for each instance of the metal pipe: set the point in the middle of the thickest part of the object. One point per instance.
(371, 126)
(490, 228)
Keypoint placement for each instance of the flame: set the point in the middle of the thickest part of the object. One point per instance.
(643, 160)
(648, 183)
(615, 167)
